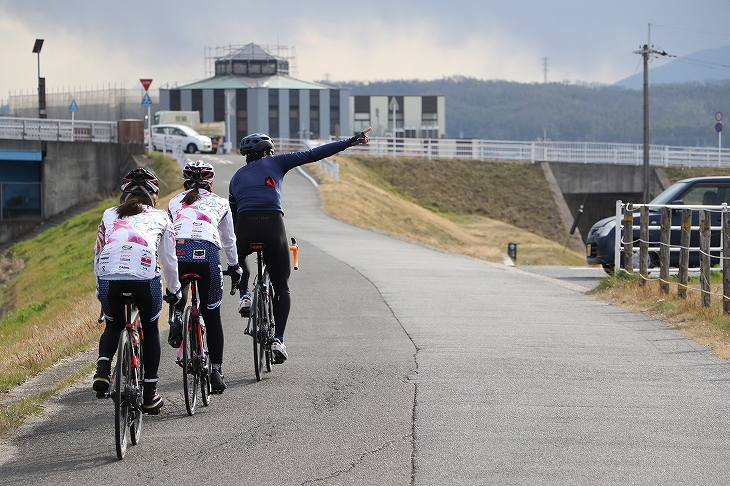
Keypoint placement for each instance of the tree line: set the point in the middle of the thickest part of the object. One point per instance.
(679, 114)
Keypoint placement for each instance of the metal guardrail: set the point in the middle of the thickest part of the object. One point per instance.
(546, 151)
(57, 130)
(477, 149)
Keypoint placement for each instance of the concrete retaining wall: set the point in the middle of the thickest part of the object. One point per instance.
(73, 173)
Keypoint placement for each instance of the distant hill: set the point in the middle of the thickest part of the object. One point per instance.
(702, 66)
(680, 114)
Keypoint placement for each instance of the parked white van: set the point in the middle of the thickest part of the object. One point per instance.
(169, 136)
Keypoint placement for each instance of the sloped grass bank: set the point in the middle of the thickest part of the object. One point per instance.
(49, 305)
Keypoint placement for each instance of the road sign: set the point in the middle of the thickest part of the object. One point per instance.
(394, 104)
(146, 100)
(73, 108)
(718, 116)
(718, 127)
(145, 83)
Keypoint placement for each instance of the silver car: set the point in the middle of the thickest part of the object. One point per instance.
(169, 136)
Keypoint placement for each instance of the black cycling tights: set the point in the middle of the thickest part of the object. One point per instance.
(267, 227)
(209, 287)
(148, 298)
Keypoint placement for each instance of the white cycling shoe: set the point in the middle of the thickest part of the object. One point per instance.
(279, 352)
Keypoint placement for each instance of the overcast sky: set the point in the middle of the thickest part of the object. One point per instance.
(101, 42)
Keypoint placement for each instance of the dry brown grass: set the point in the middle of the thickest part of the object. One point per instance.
(359, 199)
(708, 326)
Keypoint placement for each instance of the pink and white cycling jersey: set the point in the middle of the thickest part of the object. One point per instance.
(127, 248)
(208, 218)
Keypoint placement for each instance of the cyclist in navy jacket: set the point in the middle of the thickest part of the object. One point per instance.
(255, 199)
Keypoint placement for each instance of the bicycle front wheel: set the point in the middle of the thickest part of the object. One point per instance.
(190, 369)
(122, 392)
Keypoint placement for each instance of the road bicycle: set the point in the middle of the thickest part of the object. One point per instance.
(126, 382)
(192, 355)
(261, 325)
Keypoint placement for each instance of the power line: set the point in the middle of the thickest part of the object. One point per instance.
(691, 30)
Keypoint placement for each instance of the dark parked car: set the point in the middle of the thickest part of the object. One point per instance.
(696, 192)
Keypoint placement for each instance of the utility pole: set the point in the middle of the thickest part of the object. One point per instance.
(544, 68)
(646, 52)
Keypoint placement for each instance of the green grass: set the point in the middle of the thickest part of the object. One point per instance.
(13, 416)
(49, 309)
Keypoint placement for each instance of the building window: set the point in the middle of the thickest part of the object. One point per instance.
(197, 99)
(334, 113)
(175, 100)
(398, 120)
(294, 114)
(219, 105)
(241, 115)
(240, 67)
(429, 119)
(362, 121)
(314, 113)
(274, 113)
(429, 133)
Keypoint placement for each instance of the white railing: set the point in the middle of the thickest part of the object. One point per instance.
(534, 151)
(57, 130)
(546, 151)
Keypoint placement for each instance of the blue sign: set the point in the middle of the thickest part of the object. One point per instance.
(146, 101)
(718, 127)
(73, 108)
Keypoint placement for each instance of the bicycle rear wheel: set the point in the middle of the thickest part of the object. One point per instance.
(122, 383)
(204, 368)
(270, 327)
(258, 330)
(136, 401)
(190, 369)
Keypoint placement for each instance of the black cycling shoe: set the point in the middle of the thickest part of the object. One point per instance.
(152, 402)
(216, 381)
(101, 385)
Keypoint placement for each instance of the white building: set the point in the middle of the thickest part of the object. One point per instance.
(415, 116)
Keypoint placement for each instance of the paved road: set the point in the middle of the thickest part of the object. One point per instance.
(412, 366)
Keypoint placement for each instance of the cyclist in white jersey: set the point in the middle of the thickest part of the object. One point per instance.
(203, 225)
(132, 241)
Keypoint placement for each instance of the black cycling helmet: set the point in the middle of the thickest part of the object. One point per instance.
(198, 173)
(140, 181)
(255, 143)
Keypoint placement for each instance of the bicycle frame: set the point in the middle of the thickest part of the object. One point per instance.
(192, 354)
(261, 326)
(193, 278)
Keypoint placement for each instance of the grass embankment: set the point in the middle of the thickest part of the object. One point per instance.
(49, 308)
(461, 206)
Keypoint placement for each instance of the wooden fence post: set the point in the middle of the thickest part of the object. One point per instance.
(705, 256)
(664, 249)
(643, 244)
(683, 275)
(629, 237)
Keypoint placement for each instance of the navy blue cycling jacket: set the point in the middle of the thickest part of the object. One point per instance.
(257, 186)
